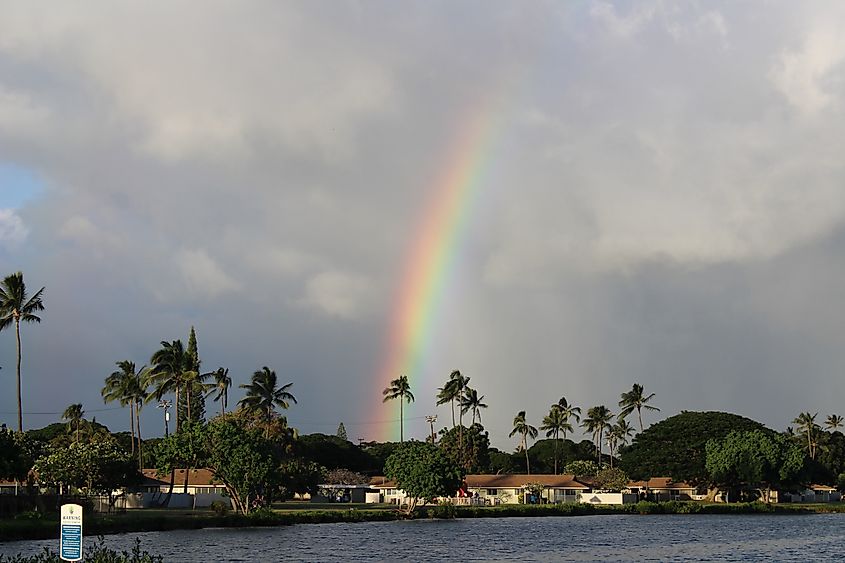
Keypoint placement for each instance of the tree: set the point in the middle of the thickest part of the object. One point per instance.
(263, 395)
(168, 374)
(399, 389)
(554, 424)
(423, 472)
(675, 447)
(636, 399)
(73, 415)
(598, 418)
(582, 468)
(129, 387)
(194, 384)
(15, 307)
(525, 430)
(345, 477)
(243, 460)
(470, 401)
(220, 387)
(299, 476)
(618, 435)
(184, 449)
(341, 432)
(611, 479)
(472, 454)
(452, 391)
(334, 452)
(833, 422)
(754, 459)
(806, 423)
(17, 454)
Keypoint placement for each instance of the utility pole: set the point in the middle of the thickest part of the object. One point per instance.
(164, 404)
(431, 419)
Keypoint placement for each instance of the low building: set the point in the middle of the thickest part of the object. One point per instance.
(663, 489)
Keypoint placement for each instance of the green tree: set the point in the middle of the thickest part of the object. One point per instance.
(618, 435)
(129, 387)
(263, 395)
(675, 446)
(806, 424)
(611, 479)
(169, 371)
(220, 387)
(470, 401)
(300, 476)
(18, 452)
(636, 399)
(73, 416)
(16, 306)
(525, 430)
(752, 460)
(472, 453)
(555, 423)
(185, 449)
(597, 420)
(243, 460)
(399, 389)
(833, 422)
(582, 468)
(341, 432)
(423, 472)
(334, 452)
(195, 388)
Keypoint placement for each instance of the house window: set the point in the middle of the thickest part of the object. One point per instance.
(492, 492)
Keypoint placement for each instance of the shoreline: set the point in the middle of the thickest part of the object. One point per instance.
(45, 529)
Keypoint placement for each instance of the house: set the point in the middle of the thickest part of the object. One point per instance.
(813, 493)
(346, 493)
(498, 489)
(201, 490)
(664, 488)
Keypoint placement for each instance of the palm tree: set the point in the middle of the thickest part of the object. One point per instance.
(116, 388)
(73, 415)
(263, 395)
(569, 411)
(525, 430)
(834, 421)
(471, 401)
(399, 389)
(806, 423)
(447, 394)
(15, 307)
(636, 399)
(554, 423)
(598, 418)
(618, 435)
(221, 385)
(168, 374)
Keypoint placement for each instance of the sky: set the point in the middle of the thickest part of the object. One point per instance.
(658, 199)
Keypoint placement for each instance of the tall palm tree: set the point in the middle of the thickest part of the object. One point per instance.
(220, 387)
(554, 423)
(263, 395)
(170, 365)
(400, 389)
(636, 399)
(447, 394)
(525, 430)
(834, 421)
(618, 435)
(14, 308)
(598, 418)
(73, 415)
(471, 401)
(116, 388)
(569, 411)
(806, 423)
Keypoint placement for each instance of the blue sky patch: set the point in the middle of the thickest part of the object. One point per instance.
(18, 185)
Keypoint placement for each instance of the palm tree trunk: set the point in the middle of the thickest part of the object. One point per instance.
(640, 416)
(525, 448)
(188, 400)
(20, 406)
(453, 413)
(401, 420)
(556, 441)
(177, 409)
(140, 451)
(132, 424)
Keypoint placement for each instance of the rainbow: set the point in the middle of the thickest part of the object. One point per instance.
(431, 260)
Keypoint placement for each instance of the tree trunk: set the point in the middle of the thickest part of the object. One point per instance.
(556, 441)
(453, 412)
(640, 416)
(401, 420)
(140, 450)
(132, 424)
(20, 404)
(525, 447)
(177, 409)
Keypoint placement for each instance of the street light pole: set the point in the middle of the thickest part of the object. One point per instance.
(164, 404)
(431, 419)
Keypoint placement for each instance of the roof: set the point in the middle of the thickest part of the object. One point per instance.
(196, 477)
(660, 483)
(816, 487)
(501, 481)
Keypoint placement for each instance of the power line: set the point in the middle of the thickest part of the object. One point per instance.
(62, 412)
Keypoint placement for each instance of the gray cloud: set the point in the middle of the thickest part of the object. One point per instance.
(661, 203)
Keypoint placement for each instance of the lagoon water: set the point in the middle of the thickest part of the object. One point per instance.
(816, 537)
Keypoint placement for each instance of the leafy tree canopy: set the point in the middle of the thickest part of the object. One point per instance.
(470, 452)
(675, 446)
(543, 451)
(754, 459)
(611, 479)
(582, 468)
(423, 471)
(334, 452)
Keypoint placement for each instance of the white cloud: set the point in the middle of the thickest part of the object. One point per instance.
(337, 294)
(202, 275)
(12, 229)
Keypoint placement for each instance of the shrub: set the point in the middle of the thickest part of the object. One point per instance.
(220, 507)
(99, 554)
(444, 510)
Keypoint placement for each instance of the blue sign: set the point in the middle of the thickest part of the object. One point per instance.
(70, 536)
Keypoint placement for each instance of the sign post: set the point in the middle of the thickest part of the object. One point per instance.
(70, 546)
